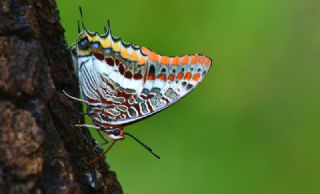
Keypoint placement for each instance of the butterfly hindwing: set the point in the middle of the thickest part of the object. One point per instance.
(126, 83)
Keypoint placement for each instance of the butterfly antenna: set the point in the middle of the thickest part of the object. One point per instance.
(79, 27)
(83, 26)
(143, 145)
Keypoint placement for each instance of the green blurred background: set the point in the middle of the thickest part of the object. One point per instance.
(253, 125)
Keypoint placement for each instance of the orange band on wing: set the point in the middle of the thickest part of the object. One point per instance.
(142, 60)
(185, 59)
(153, 57)
(124, 53)
(202, 59)
(187, 76)
(162, 77)
(164, 60)
(171, 77)
(151, 77)
(180, 75)
(176, 61)
(134, 56)
(196, 77)
(145, 50)
(208, 62)
(194, 59)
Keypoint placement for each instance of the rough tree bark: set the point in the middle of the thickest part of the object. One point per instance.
(40, 149)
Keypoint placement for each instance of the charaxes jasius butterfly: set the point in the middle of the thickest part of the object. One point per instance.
(122, 83)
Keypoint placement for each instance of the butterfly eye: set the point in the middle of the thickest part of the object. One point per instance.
(116, 132)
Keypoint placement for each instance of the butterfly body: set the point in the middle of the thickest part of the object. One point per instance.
(124, 83)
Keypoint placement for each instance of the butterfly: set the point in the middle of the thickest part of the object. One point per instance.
(122, 83)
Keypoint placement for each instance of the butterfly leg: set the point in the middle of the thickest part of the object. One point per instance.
(89, 126)
(102, 137)
(103, 154)
(105, 140)
(117, 134)
(93, 126)
(74, 98)
(99, 145)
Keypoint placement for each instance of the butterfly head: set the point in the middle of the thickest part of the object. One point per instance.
(116, 133)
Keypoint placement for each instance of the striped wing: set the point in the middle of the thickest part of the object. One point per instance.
(126, 83)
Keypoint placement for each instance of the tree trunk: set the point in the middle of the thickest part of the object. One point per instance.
(41, 150)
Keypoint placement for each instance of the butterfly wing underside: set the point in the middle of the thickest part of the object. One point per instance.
(125, 83)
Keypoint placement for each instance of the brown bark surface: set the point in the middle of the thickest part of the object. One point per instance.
(41, 151)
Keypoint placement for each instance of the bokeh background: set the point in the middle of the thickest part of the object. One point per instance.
(253, 125)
